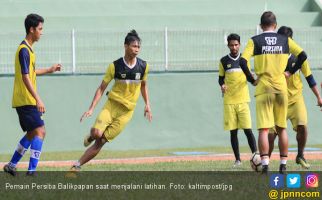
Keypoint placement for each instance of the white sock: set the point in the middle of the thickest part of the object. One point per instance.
(283, 162)
(265, 161)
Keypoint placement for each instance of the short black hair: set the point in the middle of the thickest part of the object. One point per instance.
(131, 37)
(233, 36)
(268, 18)
(32, 20)
(287, 31)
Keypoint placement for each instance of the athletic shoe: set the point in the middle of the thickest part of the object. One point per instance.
(237, 163)
(301, 161)
(72, 173)
(31, 173)
(265, 169)
(282, 169)
(10, 170)
(87, 140)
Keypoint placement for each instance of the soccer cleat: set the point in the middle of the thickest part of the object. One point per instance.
(31, 173)
(282, 169)
(301, 161)
(10, 170)
(237, 163)
(87, 140)
(72, 173)
(265, 169)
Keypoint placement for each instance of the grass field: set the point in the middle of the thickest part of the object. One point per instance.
(224, 164)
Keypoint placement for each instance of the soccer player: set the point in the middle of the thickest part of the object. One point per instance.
(29, 106)
(270, 51)
(234, 88)
(296, 112)
(130, 75)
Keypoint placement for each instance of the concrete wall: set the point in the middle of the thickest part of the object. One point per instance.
(187, 112)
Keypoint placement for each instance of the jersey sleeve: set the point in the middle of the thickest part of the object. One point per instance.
(306, 69)
(221, 69)
(249, 51)
(109, 75)
(145, 77)
(24, 60)
(295, 49)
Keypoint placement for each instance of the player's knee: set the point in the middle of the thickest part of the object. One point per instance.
(96, 134)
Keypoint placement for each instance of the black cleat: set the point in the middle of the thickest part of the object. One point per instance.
(31, 173)
(282, 169)
(10, 170)
(265, 169)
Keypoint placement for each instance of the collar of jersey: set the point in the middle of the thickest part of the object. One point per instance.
(130, 66)
(234, 58)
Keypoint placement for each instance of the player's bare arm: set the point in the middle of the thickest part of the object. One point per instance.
(145, 95)
(317, 94)
(50, 70)
(40, 105)
(98, 94)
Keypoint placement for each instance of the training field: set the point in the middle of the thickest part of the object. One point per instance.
(187, 159)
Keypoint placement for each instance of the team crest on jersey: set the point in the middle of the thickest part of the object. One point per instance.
(137, 76)
(123, 75)
(229, 66)
(271, 40)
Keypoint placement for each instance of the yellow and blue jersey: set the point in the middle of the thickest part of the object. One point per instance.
(24, 64)
(127, 86)
(270, 51)
(235, 80)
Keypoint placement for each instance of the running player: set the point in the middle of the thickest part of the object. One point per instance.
(26, 99)
(296, 112)
(234, 87)
(130, 75)
(271, 51)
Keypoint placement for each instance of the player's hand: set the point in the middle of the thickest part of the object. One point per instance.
(40, 106)
(320, 102)
(223, 88)
(148, 113)
(255, 82)
(55, 68)
(86, 114)
(287, 74)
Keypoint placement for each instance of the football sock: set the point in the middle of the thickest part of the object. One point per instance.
(22, 147)
(35, 150)
(234, 143)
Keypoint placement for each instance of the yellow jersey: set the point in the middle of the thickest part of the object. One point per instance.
(235, 80)
(127, 86)
(294, 82)
(24, 64)
(270, 51)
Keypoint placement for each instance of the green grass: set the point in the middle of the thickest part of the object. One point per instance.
(316, 165)
(104, 154)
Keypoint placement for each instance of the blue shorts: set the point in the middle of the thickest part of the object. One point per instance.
(29, 118)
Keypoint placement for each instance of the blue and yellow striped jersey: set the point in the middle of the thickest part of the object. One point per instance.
(24, 64)
(235, 80)
(127, 86)
(270, 51)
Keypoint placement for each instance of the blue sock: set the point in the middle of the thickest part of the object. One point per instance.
(22, 147)
(35, 150)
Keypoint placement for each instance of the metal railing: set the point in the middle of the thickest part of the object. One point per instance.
(83, 52)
